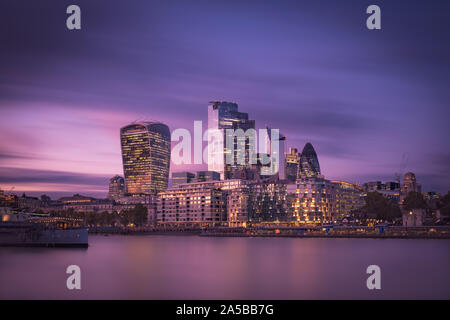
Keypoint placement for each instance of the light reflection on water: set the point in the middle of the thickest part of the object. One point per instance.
(191, 267)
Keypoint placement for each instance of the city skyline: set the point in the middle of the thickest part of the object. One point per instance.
(365, 104)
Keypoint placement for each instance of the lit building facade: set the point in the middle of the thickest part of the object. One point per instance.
(80, 203)
(222, 116)
(116, 187)
(192, 203)
(203, 176)
(292, 164)
(233, 202)
(409, 184)
(257, 202)
(315, 200)
(199, 202)
(349, 197)
(319, 200)
(146, 157)
(182, 177)
(268, 202)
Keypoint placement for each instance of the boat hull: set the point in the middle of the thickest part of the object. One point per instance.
(31, 236)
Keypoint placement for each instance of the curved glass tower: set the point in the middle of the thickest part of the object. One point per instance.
(145, 157)
(309, 163)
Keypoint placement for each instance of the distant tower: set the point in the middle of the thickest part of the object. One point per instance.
(224, 115)
(116, 187)
(309, 163)
(278, 155)
(292, 164)
(409, 185)
(145, 157)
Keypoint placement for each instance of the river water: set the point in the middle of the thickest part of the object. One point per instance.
(192, 267)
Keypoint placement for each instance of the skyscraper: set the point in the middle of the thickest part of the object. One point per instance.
(146, 157)
(275, 147)
(309, 163)
(116, 187)
(292, 164)
(221, 116)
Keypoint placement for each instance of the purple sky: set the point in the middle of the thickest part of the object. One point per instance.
(365, 99)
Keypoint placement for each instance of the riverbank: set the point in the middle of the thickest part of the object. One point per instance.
(378, 232)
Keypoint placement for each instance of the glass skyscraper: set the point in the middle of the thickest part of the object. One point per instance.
(292, 164)
(116, 187)
(221, 116)
(146, 157)
(309, 162)
(277, 152)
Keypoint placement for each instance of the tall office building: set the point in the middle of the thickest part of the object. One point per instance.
(309, 162)
(146, 157)
(275, 146)
(116, 187)
(221, 116)
(292, 164)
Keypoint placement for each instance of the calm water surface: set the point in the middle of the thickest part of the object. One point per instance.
(191, 267)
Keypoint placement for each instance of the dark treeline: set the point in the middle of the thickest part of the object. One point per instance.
(381, 208)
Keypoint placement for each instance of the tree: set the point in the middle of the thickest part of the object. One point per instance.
(91, 218)
(139, 215)
(104, 218)
(414, 200)
(380, 207)
(444, 205)
(124, 218)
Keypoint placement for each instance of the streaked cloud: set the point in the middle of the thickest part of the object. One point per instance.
(311, 69)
